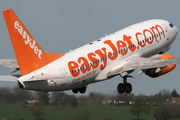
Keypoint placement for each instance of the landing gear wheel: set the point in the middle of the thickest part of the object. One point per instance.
(82, 90)
(120, 88)
(125, 87)
(75, 91)
(128, 88)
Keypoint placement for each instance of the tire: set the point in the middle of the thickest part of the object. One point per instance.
(128, 88)
(82, 90)
(120, 88)
(75, 91)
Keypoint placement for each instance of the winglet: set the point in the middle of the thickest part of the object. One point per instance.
(29, 54)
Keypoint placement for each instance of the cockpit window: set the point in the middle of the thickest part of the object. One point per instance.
(171, 25)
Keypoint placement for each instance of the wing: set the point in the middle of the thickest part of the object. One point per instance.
(10, 63)
(139, 63)
(9, 78)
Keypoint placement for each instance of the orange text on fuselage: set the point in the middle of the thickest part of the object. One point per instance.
(85, 66)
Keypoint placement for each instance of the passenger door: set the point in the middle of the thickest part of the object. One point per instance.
(63, 74)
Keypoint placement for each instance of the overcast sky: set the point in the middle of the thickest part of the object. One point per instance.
(61, 25)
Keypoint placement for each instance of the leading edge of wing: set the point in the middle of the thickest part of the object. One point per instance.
(13, 78)
(139, 63)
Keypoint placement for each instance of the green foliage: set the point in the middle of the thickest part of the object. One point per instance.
(140, 106)
(166, 112)
(125, 97)
(159, 98)
(97, 112)
(106, 118)
(37, 111)
(13, 95)
(174, 93)
(85, 115)
(96, 97)
(73, 101)
(44, 97)
(59, 98)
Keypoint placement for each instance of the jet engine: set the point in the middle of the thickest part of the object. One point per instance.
(156, 72)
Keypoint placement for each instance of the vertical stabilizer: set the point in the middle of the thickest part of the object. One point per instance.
(29, 54)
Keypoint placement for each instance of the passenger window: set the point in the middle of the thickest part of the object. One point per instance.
(121, 50)
(91, 64)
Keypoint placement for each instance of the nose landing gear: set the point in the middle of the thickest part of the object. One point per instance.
(124, 87)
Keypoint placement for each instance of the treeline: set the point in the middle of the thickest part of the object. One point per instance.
(161, 105)
(14, 95)
(17, 95)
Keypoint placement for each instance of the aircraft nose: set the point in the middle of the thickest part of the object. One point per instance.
(176, 30)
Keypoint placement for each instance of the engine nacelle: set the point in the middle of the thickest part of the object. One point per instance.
(152, 72)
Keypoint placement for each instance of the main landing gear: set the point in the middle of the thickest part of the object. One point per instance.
(124, 87)
(81, 90)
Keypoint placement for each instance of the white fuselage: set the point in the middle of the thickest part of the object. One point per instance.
(92, 62)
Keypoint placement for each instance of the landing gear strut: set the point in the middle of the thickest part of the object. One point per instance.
(124, 87)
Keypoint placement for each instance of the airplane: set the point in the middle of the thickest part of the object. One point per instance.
(141, 47)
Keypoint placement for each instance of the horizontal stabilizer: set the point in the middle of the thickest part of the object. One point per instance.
(8, 78)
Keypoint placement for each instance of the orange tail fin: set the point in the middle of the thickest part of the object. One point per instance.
(29, 54)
